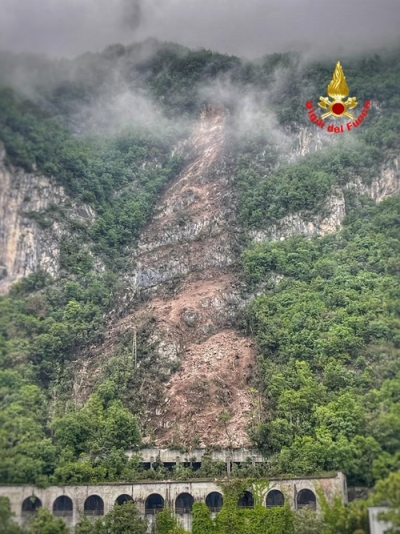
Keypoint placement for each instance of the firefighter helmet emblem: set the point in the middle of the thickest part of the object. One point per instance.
(337, 90)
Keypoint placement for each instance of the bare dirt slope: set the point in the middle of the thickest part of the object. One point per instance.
(184, 278)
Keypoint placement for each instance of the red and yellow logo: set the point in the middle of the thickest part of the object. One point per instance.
(337, 107)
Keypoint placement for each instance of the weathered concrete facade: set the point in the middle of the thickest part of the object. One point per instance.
(151, 455)
(98, 500)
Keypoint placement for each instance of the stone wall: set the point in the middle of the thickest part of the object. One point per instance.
(169, 491)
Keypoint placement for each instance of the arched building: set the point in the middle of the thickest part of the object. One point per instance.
(72, 503)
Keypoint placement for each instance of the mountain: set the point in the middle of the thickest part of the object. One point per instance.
(187, 261)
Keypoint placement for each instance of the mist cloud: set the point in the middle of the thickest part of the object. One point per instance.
(248, 28)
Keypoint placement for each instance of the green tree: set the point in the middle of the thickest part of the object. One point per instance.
(167, 523)
(124, 519)
(46, 523)
(230, 518)
(307, 521)
(86, 526)
(339, 518)
(7, 525)
(387, 493)
(202, 522)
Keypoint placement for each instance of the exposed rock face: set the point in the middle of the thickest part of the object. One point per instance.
(384, 186)
(188, 232)
(309, 140)
(25, 244)
(185, 269)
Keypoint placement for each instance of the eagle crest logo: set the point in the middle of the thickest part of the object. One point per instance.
(337, 90)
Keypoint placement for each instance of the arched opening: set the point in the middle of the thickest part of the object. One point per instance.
(63, 506)
(122, 499)
(154, 503)
(246, 500)
(94, 505)
(275, 498)
(306, 497)
(214, 501)
(31, 505)
(184, 503)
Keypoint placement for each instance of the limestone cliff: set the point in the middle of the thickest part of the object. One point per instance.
(29, 240)
(383, 186)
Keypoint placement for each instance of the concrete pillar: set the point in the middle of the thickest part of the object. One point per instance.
(186, 521)
(108, 503)
(140, 505)
(294, 497)
(75, 513)
(228, 465)
(168, 497)
(151, 519)
(69, 521)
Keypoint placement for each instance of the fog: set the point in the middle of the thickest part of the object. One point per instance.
(247, 28)
(251, 28)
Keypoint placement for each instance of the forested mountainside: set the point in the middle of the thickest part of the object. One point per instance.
(187, 261)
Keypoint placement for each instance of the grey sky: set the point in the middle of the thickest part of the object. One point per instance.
(244, 27)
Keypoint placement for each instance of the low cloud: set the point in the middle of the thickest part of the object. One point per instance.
(248, 28)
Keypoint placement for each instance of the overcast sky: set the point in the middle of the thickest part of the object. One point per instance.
(247, 28)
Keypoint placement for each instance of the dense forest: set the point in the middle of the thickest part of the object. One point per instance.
(326, 317)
